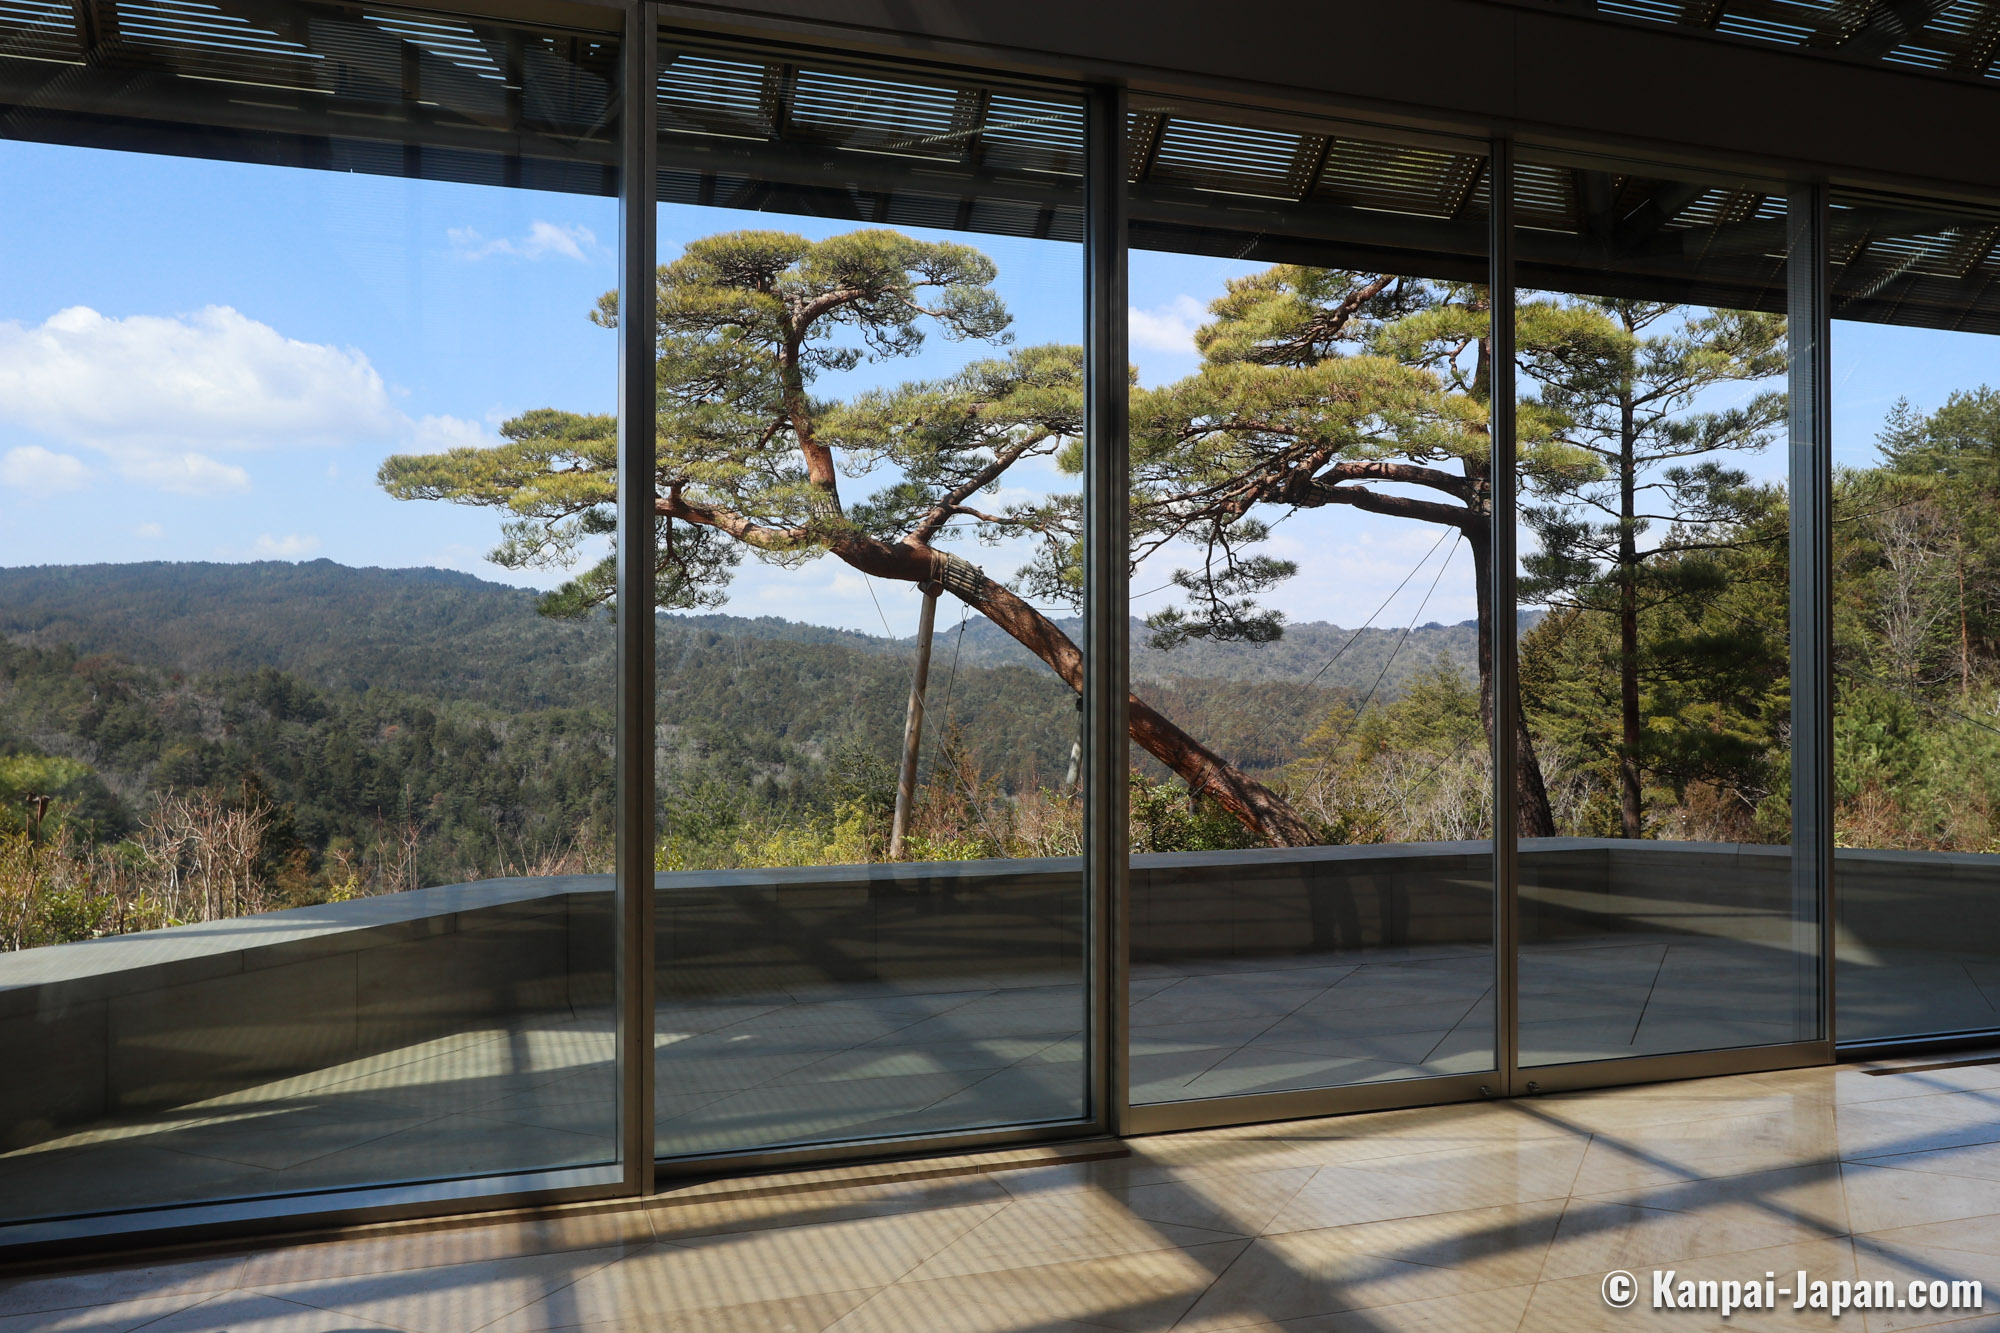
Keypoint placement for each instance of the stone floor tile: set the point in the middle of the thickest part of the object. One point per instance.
(1232, 1203)
(1653, 1227)
(1307, 1273)
(1418, 1184)
(815, 1207)
(1980, 1235)
(913, 1309)
(1577, 1301)
(107, 1286)
(453, 1298)
(1881, 1197)
(1503, 1246)
(118, 1317)
(716, 1271)
(1497, 1311)
(1900, 1262)
(254, 1312)
(447, 1245)
(788, 1314)
(1054, 1229)
(1708, 1147)
(1135, 1292)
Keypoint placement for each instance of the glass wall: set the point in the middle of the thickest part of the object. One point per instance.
(1311, 524)
(307, 574)
(870, 313)
(1656, 896)
(305, 772)
(1916, 733)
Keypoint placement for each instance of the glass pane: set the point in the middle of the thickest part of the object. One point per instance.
(1916, 437)
(1311, 516)
(305, 804)
(1656, 882)
(871, 906)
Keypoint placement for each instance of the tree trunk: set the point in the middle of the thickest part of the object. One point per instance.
(1533, 817)
(1964, 632)
(1206, 773)
(913, 724)
(1628, 631)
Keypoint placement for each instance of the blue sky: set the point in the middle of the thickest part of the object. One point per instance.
(207, 360)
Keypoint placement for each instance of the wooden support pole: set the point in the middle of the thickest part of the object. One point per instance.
(913, 722)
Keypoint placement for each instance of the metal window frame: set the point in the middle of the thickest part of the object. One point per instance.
(631, 1174)
(638, 246)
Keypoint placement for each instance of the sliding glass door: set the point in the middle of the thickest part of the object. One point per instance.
(306, 796)
(871, 913)
(1311, 499)
(1916, 434)
(1656, 888)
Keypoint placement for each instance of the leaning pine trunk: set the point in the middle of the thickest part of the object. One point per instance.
(1531, 793)
(1206, 773)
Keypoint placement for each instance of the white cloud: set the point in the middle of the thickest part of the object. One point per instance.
(544, 240)
(30, 467)
(152, 390)
(188, 473)
(1168, 328)
(161, 396)
(150, 531)
(290, 547)
(436, 434)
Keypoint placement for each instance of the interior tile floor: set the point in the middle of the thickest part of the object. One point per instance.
(1493, 1216)
(827, 1062)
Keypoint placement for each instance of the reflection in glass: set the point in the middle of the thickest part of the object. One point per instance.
(1311, 519)
(1916, 557)
(870, 892)
(305, 807)
(1656, 896)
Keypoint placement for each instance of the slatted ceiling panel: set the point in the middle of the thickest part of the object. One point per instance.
(558, 85)
(38, 30)
(1657, 11)
(1714, 208)
(1397, 178)
(199, 39)
(1769, 23)
(453, 42)
(923, 210)
(1033, 134)
(912, 119)
(1231, 158)
(1958, 40)
(1544, 197)
(1717, 207)
(1944, 254)
(704, 94)
(1004, 217)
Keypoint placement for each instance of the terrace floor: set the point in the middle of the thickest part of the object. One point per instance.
(1493, 1216)
(820, 1063)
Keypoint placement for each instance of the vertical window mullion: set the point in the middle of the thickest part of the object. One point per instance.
(1106, 602)
(1810, 415)
(1506, 629)
(637, 243)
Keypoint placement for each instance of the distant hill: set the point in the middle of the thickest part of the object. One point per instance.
(1338, 657)
(426, 631)
(435, 631)
(357, 699)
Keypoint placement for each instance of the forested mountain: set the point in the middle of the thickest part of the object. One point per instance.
(437, 631)
(396, 727)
